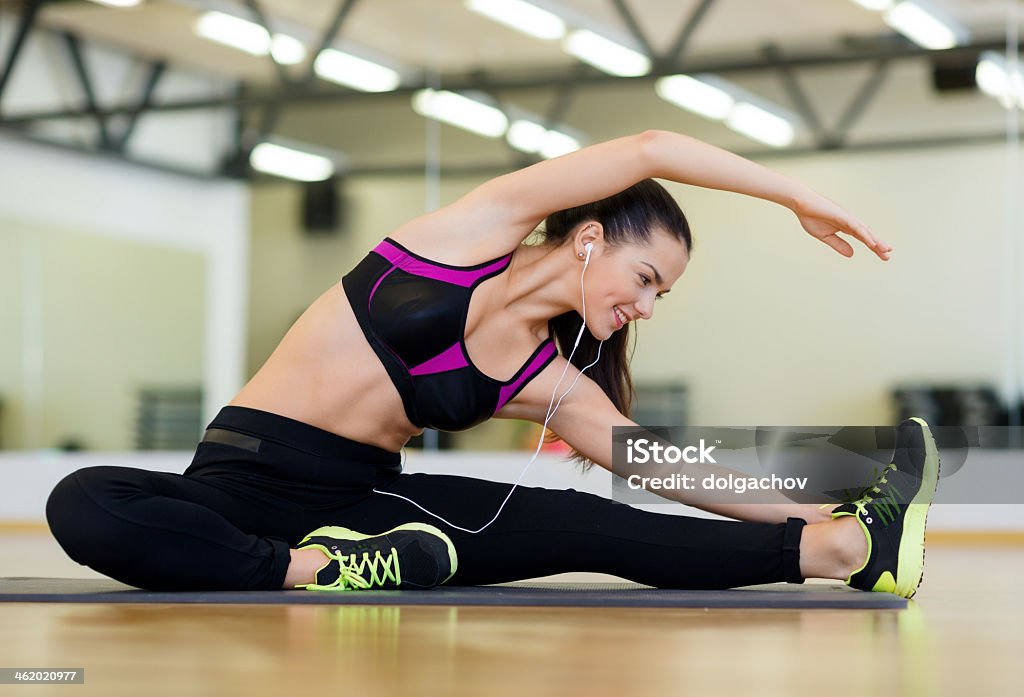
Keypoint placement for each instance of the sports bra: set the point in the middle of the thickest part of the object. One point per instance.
(413, 313)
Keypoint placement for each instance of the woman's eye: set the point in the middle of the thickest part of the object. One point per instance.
(645, 279)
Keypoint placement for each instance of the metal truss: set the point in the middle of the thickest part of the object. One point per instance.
(566, 83)
(237, 163)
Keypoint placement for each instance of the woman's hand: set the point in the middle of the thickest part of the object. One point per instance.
(824, 220)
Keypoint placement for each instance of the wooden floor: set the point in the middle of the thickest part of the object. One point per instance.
(964, 635)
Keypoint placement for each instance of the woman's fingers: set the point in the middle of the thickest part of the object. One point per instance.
(838, 244)
(859, 230)
(862, 233)
(827, 228)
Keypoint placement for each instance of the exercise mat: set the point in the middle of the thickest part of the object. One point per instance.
(522, 593)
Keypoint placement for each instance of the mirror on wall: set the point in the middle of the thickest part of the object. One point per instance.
(102, 342)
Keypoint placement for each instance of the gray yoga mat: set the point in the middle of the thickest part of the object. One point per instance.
(523, 593)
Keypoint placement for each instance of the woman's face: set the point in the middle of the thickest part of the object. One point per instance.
(623, 282)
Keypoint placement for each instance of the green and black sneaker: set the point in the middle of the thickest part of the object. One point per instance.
(414, 555)
(894, 513)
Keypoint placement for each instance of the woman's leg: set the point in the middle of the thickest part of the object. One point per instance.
(163, 531)
(543, 531)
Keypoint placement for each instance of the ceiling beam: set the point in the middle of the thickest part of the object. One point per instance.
(491, 169)
(673, 55)
(25, 23)
(156, 71)
(860, 101)
(73, 45)
(537, 80)
(798, 96)
(634, 28)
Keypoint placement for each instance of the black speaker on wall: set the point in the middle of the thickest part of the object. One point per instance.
(323, 210)
(954, 74)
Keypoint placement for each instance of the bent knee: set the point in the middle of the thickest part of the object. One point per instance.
(76, 514)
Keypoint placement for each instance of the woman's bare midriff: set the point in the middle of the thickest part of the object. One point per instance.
(325, 374)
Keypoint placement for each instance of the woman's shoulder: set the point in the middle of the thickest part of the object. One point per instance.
(458, 237)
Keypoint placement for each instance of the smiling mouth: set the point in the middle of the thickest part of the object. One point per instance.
(621, 317)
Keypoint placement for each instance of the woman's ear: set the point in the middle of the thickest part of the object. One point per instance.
(589, 233)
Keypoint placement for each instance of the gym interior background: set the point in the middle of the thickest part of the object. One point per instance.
(149, 265)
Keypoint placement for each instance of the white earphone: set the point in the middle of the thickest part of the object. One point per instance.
(552, 408)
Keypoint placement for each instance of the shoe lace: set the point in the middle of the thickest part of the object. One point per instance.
(354, 567)
(880, 479)
(885, 504)
(389, 568)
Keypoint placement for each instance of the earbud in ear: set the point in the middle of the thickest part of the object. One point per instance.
(589, 246)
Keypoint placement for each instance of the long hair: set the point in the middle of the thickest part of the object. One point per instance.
(630, 216)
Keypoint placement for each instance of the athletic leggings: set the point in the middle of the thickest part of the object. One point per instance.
(259, 483)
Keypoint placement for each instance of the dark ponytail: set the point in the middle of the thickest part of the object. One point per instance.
(630, 216)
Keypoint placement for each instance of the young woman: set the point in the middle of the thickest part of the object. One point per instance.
(452, 320)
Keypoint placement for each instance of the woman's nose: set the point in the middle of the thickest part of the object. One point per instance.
(645, 308)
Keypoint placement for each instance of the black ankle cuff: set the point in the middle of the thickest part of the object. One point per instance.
(791, 550)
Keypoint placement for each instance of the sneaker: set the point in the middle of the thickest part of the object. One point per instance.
(894, 513)
(414, 555)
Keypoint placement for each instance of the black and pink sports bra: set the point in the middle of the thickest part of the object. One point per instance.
(413, 313)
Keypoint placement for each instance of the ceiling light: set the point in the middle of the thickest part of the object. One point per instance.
(358, 73)
(249, 37)
(233, 31)
(923, 25)
(995, 79)
(606, 55)
(532, 137)
(761, 125)
(461, 111)
(700, 95)
(290, 163)
(717, 99)
(875, 5)
(287, 50)
(521, 16)
(557, 144)
(118, 3)
(526, 136)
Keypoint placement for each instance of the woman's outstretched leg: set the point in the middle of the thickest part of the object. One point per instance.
(545, 531)
(833, 549)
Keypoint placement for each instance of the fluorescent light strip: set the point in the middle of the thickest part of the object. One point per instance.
(352, 71)
(118, 3)
(875, 5)
(461, 111)
(290, 164)
(995, 79)
(606, 55)
(557, 143)
(924, 27)
(521, 16)
(716, 99)
(234, 32)
(287, 50)
(696, 95)
(526, 136)
(531, 137)
(761, 125)
(250, 37)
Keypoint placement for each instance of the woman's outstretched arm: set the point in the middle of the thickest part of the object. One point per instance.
(521, 199)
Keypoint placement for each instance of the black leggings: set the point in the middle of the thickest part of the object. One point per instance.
(260, 482)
